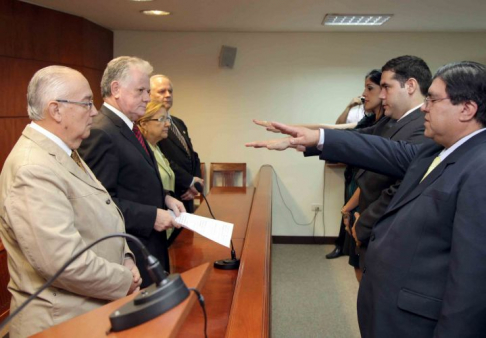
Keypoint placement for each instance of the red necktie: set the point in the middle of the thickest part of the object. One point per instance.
(139, 137)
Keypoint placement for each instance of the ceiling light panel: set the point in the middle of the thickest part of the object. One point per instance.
(356, 19)
(155, 12)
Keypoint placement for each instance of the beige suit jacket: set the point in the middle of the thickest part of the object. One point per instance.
(50, 210)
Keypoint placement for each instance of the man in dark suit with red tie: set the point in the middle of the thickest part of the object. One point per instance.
(424, 272)
(117, 153)
(177, 147)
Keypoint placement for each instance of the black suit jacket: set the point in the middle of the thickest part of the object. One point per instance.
(185, 166)
(425, 271)
(131, 177)
(377, 190)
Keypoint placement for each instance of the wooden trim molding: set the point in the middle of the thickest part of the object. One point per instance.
(250, 309)
(303, 240)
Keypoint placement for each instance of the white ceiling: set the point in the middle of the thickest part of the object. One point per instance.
(276, 15)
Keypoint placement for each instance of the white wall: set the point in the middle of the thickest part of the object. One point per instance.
(288, 77)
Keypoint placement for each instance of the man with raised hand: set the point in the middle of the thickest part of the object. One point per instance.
(423, 275)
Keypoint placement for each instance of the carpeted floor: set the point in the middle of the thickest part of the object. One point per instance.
(312, 296)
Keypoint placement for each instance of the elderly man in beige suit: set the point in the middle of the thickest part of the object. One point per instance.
(53, 206)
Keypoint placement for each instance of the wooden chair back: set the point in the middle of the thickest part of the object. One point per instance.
(229, 172)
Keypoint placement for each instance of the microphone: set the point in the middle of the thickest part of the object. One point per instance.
(232, 263)
(199, 188)
(166, 292)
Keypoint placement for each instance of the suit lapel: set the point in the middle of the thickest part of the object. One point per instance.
(62, 157)
(415, 187)
(402, 123)
(127, 133)
(176, 140)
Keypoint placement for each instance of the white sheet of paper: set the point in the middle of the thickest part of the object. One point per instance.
(217, 231)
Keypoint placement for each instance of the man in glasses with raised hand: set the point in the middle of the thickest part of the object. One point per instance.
(424, 273)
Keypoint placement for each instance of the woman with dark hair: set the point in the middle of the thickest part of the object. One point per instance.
(374, 108)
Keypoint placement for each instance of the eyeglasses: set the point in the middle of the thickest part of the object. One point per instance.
(162, 119)
(88, 104)
(429, 101)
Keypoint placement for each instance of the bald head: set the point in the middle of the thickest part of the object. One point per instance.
(48, 84)
(161, 90)
(60, 100)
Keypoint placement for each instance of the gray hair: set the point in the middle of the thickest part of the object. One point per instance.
(154, 77)
(118, 69)
(47, 84)
(466, 81)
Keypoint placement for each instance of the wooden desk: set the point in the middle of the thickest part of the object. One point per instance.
(230, 204)
(96, 323)
(237, 301)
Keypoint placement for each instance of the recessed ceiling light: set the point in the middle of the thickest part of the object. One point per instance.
(356, 19)
(141, 0)
(155, 12)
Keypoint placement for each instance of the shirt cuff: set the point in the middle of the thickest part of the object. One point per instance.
(192, 183)
(129, 255)
(321, 139)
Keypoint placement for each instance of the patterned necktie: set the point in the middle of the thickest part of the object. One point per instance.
(77, 159)
(432, 166)
(179, 136)
(138, 135)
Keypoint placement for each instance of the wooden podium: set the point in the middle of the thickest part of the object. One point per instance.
(97, 323)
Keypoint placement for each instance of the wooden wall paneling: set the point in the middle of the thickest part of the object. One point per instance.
(71, 40)
(37, 32)
(11, 130)
(15, 75)
(97, 45)
(94, 78)
(46, 35)
(6, 24)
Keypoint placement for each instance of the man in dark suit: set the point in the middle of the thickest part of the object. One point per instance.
(117, 153)
(177, 147)
(424, 274)
(404, 83)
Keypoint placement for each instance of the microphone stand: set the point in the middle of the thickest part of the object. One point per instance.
(232, 263)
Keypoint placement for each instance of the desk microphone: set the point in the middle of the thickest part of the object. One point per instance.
(166, 292)
(232, 263)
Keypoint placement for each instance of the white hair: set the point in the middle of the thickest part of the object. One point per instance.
(47, 84)
(118, 69)
(158, 76)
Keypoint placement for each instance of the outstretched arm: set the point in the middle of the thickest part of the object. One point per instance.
(269, 127)
(300, 138)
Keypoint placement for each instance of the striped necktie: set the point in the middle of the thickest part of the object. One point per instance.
(181, 139)
(432, 166)
(138, 135)
(77, 159)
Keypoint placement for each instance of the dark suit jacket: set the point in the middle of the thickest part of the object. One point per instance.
(425, 273)
(131, 177)
(377, 190)
(185, 167)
